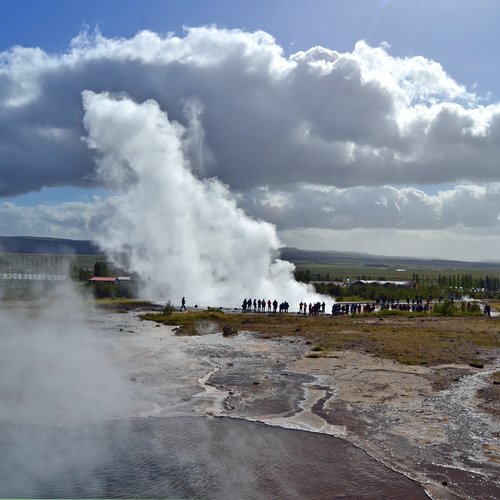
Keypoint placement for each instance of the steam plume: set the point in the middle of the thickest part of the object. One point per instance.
(182, 235)
(57, 377)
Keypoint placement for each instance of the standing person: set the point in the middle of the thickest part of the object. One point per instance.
(183, 306)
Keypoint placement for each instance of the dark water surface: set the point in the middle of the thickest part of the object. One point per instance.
(189, 457)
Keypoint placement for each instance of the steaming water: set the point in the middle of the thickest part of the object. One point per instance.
(187, 457)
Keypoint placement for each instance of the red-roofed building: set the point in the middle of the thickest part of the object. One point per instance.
(103, 279)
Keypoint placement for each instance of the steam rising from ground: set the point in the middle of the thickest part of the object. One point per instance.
(54, 371)
(182, 235)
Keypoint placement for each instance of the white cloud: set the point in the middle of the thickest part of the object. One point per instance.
(319, 116)
(376, 207)
(318, 213)
(315, 139)
(77, 220)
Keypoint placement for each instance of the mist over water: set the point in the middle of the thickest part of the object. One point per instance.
(182, 235)
(55, 369)
(56, 372)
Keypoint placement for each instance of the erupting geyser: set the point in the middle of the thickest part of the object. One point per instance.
(182, 235)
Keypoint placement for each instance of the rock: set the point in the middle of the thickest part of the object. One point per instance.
(228, 330)
(476, 365)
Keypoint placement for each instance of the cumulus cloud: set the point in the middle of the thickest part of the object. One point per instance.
(289, 208)
(375, 207)
(78, 220)
(323, 117)
(316, 139)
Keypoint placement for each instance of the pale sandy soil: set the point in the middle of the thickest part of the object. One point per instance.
(427, 422)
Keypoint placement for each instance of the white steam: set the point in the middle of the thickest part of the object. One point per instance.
(58, 380)
(54, 369)
(182, 235)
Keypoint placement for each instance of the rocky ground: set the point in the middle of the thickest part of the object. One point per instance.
(435, 418)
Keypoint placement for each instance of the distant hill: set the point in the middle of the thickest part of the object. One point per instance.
(34, 245)
(296, 255)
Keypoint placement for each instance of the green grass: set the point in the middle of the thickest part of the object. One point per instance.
(184, 318)
(354, 298)
(121, 303)
(410, 338)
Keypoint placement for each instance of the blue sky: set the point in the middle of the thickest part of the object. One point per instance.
(457, 40)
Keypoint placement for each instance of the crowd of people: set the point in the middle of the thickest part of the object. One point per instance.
(258, 305)
(266, 306)
(354, 308)
(416, 304)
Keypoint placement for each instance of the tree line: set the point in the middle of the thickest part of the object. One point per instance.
(441, 285)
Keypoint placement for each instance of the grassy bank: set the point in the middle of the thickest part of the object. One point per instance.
(410, 339)
(121, 304)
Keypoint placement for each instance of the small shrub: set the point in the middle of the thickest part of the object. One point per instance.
(448, 308)
(215, 309)
(228, 330)
(169, 308)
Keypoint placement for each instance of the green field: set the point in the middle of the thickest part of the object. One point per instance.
(341, 272)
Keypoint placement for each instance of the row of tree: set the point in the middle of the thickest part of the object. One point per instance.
(372, 291)
(465, 281)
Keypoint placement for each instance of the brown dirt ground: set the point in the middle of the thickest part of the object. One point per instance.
(428, 341)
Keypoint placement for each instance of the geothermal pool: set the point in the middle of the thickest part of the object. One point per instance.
(150, 414)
